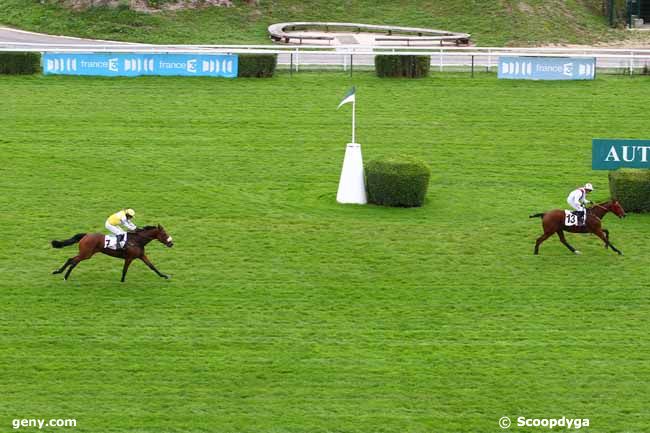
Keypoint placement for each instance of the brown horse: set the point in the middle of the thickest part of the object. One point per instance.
(553, 222)
(91, 243)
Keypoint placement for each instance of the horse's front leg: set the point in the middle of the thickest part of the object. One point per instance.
(127, 263)
(146, 260)
(605, 239)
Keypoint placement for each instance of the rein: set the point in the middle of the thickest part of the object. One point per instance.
(603, 208)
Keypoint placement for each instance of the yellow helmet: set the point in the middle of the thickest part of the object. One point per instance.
(130, 212)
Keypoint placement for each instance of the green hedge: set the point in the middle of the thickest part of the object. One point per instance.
(397, 182)
(632, 188)
(257, 65)
(20, 63)
(402, 66)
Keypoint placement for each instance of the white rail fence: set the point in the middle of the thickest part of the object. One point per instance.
(346, 57)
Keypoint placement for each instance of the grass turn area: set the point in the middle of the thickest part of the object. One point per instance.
(288, 312)
(496, 23)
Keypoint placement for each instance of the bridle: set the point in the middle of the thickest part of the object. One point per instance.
(602, 207)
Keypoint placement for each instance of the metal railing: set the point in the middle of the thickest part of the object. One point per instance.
(345, 57)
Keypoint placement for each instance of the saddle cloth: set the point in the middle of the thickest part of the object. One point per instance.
(110, 242)
(570, 219)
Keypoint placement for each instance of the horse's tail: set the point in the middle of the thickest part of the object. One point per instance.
(73, 240)
(537, 215)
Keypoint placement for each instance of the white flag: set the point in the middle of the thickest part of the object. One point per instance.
(348, 98)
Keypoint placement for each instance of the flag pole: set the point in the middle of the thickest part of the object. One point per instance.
(354, 109)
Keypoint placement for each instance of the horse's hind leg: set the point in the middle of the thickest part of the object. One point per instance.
(75, 261)
(566, 244)
(541, 239)
(87, 247)
(65, 265)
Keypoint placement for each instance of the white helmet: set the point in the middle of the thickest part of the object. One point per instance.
(589, 186)
(130, 212)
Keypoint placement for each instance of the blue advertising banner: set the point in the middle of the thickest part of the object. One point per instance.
(135, 64)
(547, 68)
(612, 154)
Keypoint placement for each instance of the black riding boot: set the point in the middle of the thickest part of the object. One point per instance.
(119, 241)
(581, 218)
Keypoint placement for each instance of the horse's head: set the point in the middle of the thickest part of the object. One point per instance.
(617, 209)
(163, 237)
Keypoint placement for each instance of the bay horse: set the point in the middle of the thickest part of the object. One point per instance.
(91, 243)
(553, 222)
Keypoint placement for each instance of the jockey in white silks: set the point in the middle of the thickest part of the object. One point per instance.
(123, 218)
(577, 200)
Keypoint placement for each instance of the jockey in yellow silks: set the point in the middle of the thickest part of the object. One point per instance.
(121, 218)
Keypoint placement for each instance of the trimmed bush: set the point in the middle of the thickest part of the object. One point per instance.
(257, 65)
(397, 182)
(19, 63)
(632, 188)
(402, 66)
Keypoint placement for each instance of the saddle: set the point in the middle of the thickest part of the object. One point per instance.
(571, 218)
(110, 242)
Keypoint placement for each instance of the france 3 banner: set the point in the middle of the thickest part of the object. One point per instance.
(136, 64)
(547, 68)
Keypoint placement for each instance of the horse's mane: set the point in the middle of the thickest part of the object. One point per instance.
(141, 229)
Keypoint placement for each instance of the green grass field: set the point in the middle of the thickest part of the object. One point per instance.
(288, 312)
(491, 23)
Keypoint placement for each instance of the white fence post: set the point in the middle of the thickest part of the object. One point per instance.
(489, 60)
(297, 59)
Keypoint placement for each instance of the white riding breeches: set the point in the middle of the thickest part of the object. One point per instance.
(114, 229)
